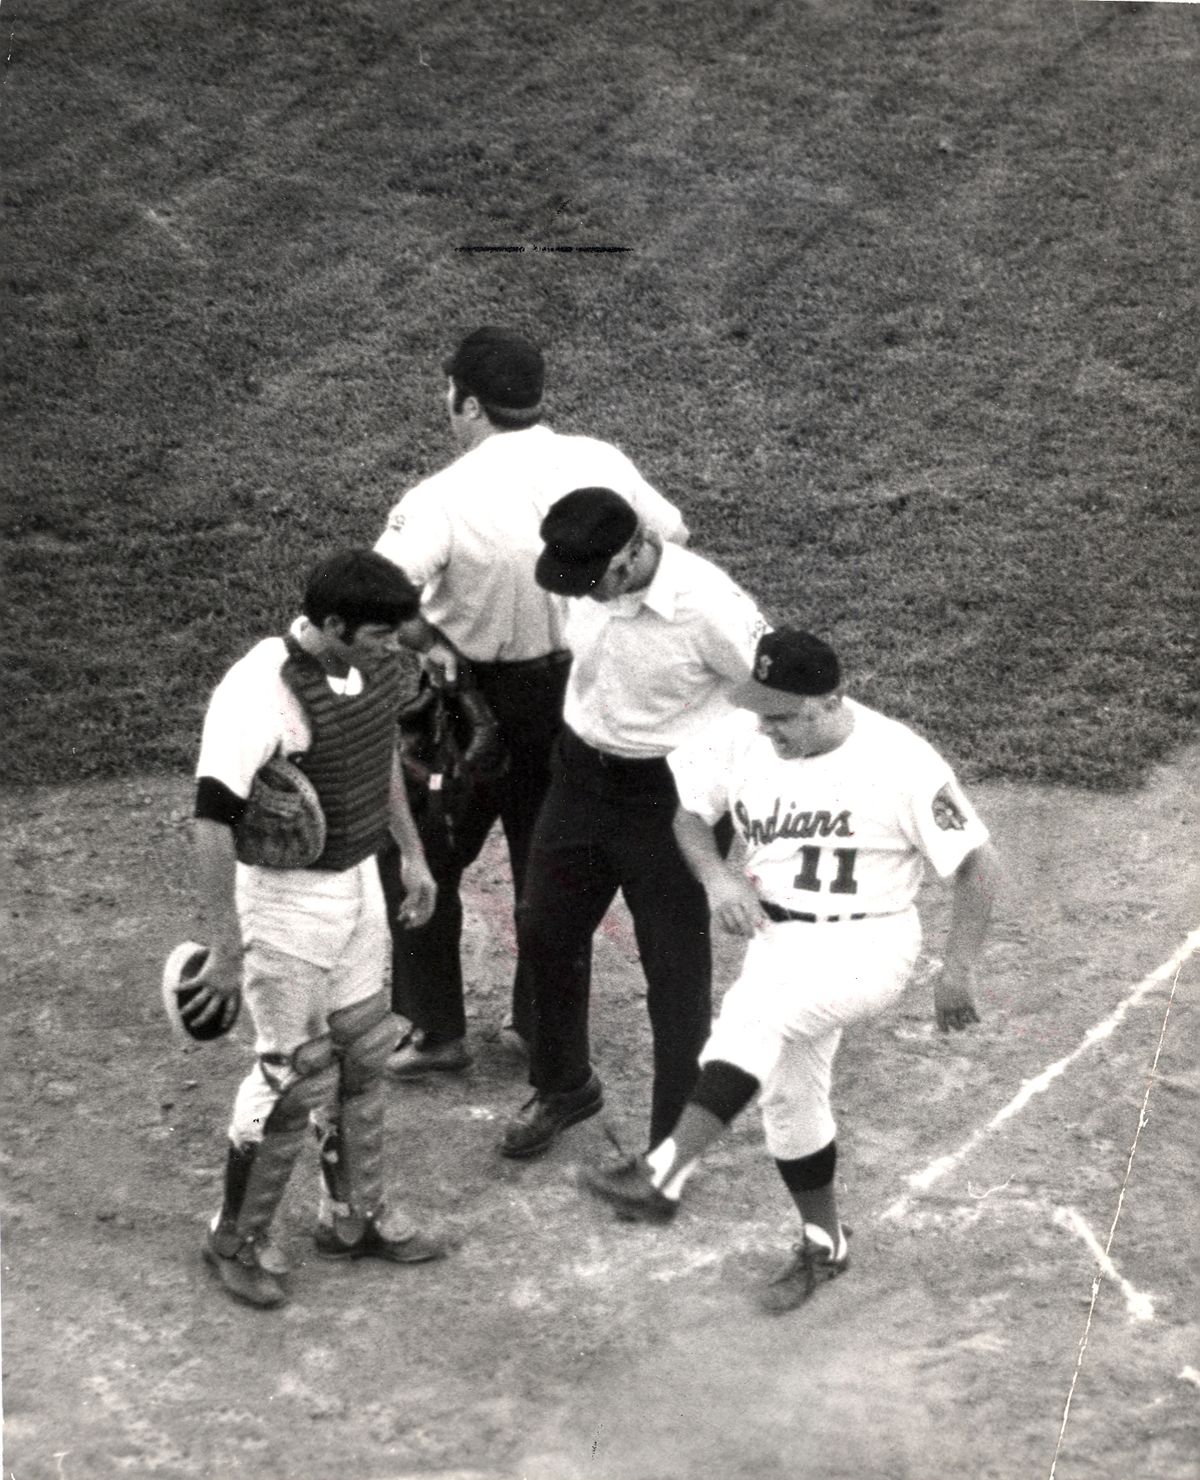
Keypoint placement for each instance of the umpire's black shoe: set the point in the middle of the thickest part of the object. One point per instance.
(626, 1185)
(416, 1058)
(534, 1129)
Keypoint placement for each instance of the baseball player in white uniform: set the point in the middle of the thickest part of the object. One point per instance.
(839, 809)
(306, 941)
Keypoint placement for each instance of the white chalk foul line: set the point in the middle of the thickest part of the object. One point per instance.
(921, 1181)
(1112, 1232)
(1139, 1306)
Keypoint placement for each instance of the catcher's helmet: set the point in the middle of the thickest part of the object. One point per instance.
(183, 998)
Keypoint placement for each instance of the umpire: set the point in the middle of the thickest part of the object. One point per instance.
(658, 638)
(468, 538)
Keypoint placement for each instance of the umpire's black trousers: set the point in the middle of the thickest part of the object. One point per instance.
(606, 825)
(427, 979)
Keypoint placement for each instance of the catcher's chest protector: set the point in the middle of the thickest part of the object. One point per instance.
(350, 759)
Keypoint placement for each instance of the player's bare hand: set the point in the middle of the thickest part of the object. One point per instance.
(220, 977)
(733, 903)
(420, 893)
(953, 1002)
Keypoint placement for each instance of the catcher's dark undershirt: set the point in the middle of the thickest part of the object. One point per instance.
(216, 803)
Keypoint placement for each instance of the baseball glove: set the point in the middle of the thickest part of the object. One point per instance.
(184, 999)
(450, 747)
(283, 825)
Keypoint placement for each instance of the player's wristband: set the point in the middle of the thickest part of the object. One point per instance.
(216, 803)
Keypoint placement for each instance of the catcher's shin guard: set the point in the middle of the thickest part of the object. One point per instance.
(352, 1144)
(257, 1172)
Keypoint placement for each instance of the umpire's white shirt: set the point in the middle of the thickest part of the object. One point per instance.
(469, 536)
(653, 668)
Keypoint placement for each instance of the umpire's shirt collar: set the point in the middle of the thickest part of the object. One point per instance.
(660, 596)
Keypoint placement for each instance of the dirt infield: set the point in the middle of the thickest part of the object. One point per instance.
(556, 1344)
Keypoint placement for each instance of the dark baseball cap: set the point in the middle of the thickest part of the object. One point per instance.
(788, 666)
(500, 367)
(582, 533)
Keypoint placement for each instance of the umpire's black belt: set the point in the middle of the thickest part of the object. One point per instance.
(526, 665)
(781, 916)
(616, 774)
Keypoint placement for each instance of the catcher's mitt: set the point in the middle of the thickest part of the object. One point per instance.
(283, 825)
(450, 746)
(184, 999)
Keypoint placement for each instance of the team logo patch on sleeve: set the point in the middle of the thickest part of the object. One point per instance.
(948, 815)
(762, 669)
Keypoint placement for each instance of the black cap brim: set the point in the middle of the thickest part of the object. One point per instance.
(762, 699)
(569, 577)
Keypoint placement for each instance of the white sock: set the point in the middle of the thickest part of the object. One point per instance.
(663, 1174)
(815, 1234)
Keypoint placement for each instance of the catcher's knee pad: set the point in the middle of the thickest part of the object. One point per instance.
(723, 1089)
(303, 1081)
(364, 1034)
(809, 1173)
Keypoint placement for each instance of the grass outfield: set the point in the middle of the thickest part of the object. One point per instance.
(907, 325)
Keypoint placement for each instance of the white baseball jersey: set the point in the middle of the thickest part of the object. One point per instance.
(309, 913)
(469, 536)
(847, 832)
(253, 714)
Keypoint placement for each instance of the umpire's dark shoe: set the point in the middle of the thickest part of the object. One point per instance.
(415, 1058)
(626, 1185)
(534, 1129)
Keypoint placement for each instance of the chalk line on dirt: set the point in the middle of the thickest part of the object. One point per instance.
(1139, 1306)
(1112, 1232)
(921, 1181)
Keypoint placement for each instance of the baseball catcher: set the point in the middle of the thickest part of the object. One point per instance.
(298, 788)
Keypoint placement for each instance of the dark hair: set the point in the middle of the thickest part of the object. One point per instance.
(359, 586)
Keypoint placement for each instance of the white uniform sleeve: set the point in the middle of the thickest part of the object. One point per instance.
(244, 726)
(942, 823)
(658, 514)
(418, 536)
(730, 632)
(702, 769)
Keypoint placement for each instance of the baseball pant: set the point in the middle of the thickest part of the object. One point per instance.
(427, 978)
(289, 996)
(606, 825)
(800, 986)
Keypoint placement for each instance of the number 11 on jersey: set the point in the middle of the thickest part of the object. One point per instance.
(843, 881)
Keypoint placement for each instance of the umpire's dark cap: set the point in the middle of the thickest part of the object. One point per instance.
(789, 667)
(501, 368)
(582, 533)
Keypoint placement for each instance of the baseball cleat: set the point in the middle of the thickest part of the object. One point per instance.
(380, 1239)
(627, 1187)
(251, 1274)
(812, 1264)
(540, 1120)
